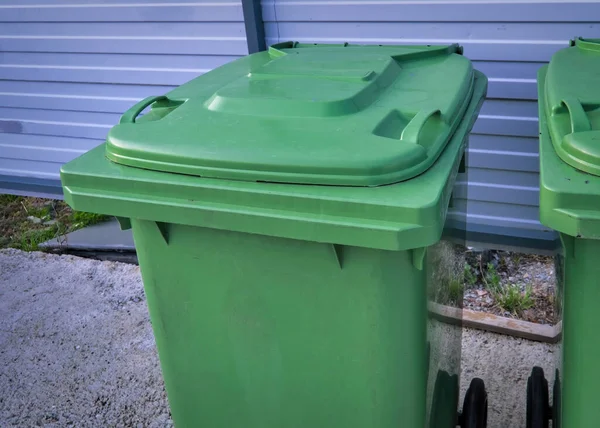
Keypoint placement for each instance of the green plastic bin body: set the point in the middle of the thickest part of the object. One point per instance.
(569, 103)
(281, 207)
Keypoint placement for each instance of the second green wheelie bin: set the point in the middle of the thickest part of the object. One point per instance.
(569, 113)
(281, 207)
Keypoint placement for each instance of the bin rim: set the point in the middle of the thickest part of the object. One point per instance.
(401, 216)
(569, 197)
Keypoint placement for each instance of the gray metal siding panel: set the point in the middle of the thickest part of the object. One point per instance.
(68, 71)
(121, 11)
(434, 11)
(507, 40)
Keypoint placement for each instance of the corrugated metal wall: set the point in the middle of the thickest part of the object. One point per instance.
(508, 41)
(67, 72)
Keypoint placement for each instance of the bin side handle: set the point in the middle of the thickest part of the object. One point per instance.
(130, 115)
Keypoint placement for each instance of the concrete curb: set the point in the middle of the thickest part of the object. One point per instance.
(496, 324)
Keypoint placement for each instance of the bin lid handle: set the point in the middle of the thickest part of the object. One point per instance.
(130, 115)
(579, 119)
(412, 131)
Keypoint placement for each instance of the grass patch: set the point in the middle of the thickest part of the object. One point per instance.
(508, 297)
(446, 274)
(27, 222)
(83, 219)
(492, 279)
(7, 199)
(513, 300)
(469, 275)
(31, 239)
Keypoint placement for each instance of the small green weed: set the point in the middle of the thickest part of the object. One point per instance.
(83, 219)
(517, 258)
(513, 300)
(7, 199)
(455, 291)
(41, 213)
(469, 277)
(492, 279)
(31, 239)
(20, 227)
(445, 265)
(502, 263)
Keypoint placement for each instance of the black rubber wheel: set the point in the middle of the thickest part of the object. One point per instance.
(556, 405)
(475, 406)
(445, 401)
(538, 407)
(428, 356)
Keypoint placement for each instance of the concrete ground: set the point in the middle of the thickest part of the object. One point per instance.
(76, 349)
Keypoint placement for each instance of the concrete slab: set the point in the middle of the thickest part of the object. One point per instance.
(77, 349)
(99, 237)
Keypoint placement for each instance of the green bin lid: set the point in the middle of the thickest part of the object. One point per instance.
(307, 114)
(572, 104)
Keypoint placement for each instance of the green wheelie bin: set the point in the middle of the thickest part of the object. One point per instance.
(569, 113)
(281, 207)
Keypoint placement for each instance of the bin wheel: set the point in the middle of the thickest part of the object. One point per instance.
(556, 405)
(428, 360)
(538, 407)
(445, 400)
(475, 406)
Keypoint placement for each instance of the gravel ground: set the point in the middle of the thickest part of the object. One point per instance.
(504, 363)
(76, 344)
(76, 348)
(512, 269)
